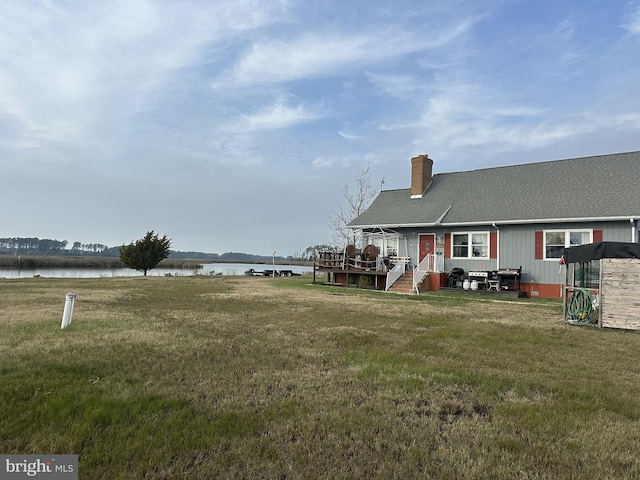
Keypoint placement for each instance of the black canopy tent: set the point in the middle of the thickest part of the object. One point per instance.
(596, 251)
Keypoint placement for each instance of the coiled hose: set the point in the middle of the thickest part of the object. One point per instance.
(581, 308)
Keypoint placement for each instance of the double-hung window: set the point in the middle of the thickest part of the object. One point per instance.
(555, 241)
(470, 245)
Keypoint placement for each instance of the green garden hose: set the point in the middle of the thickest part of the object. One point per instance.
(581, 308)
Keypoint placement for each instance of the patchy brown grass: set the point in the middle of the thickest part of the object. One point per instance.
(242, 377)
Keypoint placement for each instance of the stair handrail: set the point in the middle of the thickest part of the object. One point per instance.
(394, 274)
(430, 263)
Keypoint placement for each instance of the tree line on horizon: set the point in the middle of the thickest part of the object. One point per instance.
(36, 246)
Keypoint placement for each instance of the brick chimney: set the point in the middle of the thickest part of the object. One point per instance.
(421, 169)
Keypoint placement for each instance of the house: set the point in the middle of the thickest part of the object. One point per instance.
(511, 217)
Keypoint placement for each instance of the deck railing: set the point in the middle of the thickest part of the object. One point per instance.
(357, 262)
(330, 260)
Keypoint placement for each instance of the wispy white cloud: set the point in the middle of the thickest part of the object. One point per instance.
(464, 115)
(347, 160)
(275, 116)
(631, 20)
(401, 86)
(348, 136)
(330, 53)
(322, 162)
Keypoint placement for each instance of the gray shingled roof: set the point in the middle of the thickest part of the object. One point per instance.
(599, 187)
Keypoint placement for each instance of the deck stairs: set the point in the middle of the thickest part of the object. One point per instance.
(404, 284)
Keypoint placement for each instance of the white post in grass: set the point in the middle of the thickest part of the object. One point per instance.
(273, 272)
(68, 310)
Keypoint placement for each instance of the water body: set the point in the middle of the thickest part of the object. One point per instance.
(207, 269)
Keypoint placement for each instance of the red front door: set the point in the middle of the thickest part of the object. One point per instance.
(427, 244)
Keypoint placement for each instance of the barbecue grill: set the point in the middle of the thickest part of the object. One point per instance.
(510, 278)
(455, 277)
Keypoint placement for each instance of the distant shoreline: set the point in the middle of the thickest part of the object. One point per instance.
(32, 261)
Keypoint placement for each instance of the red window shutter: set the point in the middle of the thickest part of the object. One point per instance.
(447, 245)
(597, 236)
(539, 245)
(493, 245)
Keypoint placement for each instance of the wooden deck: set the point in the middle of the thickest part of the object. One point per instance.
(352, 268)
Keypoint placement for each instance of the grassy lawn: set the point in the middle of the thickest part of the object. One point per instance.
(242, 377)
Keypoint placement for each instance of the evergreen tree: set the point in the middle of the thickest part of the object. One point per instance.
(146, 253)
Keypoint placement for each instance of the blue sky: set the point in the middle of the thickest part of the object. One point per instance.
(234, 125)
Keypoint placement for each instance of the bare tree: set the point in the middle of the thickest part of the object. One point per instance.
(356, 202)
